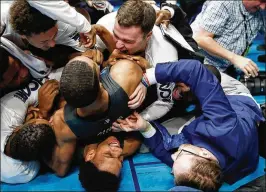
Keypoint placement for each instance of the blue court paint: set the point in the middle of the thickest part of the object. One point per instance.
(134, 175)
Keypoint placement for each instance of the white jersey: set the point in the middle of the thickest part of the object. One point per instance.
(13, 112)
(62, 11)
(158, 50)
(69, 23)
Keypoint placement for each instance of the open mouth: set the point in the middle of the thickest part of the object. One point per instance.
(114, 143)
(125, 52)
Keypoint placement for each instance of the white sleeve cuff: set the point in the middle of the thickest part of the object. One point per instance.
(149, 132)
(170, 9)
(150, 74)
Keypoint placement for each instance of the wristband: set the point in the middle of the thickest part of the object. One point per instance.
(149, 132)
(145, 81)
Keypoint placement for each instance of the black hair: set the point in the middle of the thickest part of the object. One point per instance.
(92, 179)
(79, 84)
(4, 54)
(26, 20)
(32, 142)
(214, 71)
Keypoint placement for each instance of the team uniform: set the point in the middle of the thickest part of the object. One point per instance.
(69, 23)
(13, 112)
(94, 127)
(158, 50)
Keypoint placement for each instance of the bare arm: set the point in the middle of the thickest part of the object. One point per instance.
(62, 157)
(127, 74)
(132, 143)
(105, 36)
(65, 147)
(206, 41)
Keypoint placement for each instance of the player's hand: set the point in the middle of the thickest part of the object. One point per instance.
(88, 39)
(116, 55)
(163, 17)
(32, 113)
(132, 123)
(137, 97)
(143, 63)
(46, 95)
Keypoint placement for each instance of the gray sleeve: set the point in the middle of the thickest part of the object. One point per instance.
(232, 86)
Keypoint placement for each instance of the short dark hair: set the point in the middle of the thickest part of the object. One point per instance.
(79, 83)
(204, 175)
(26, 20)
(32, 142)
(137, 13)
(4, 54)
(93, 179)
(214, 71)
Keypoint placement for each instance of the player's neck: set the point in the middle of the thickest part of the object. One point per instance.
(97, 107)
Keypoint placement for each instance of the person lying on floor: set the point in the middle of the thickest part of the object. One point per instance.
(100, 168)
(27, 155)
(116, 86)
(92, 105)
(221, 144)
(20, 148)
(21, 145)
